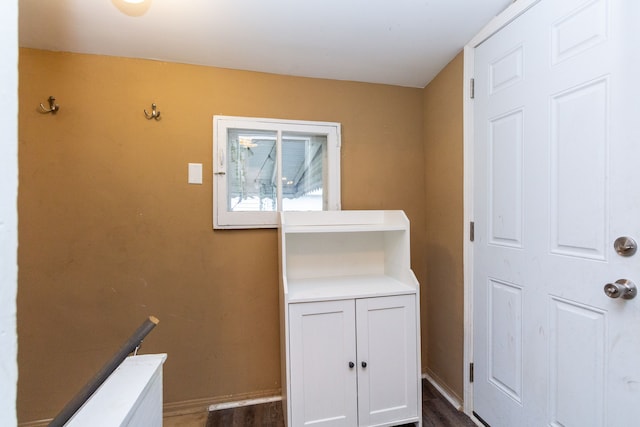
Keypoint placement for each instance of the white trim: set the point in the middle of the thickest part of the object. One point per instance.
(445, 391)
(467, 263)
(449, 395)
(241, 403)
(8, 212)
(512, 12)
(516, 9)
(202, 405)
(225, 219)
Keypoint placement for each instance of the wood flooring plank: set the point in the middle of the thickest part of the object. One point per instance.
(436, 412)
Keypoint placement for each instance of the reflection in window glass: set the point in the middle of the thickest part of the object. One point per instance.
(252, 161)
(303, 172)
(252, 175)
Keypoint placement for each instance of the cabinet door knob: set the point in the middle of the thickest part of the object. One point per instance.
(351, 364)
(364, 364)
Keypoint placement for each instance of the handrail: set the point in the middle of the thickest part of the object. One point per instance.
(87, 391)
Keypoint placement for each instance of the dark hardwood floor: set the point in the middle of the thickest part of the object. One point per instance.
(268, 414)
(436, 412)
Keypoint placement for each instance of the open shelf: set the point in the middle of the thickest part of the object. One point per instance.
(345, 254)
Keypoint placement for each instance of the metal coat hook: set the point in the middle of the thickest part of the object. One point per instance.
(53, 107)
(155, 114)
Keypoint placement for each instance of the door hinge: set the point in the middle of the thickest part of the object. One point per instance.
(472, 88)
(472, 231)
(471, 372)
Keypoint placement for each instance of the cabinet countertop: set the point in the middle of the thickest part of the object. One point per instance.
(343, 287)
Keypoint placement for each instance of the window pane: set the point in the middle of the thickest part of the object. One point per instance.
(251, 171)
(303, 172)
(263, 166)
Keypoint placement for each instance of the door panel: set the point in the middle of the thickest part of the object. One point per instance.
(323, 386)
(573, 328)
(505, 338)
(578, 170)
(555, 143)
(505, 186)
(578, 30)
(388, 384)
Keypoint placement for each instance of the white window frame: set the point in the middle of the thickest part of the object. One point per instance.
(224, 219)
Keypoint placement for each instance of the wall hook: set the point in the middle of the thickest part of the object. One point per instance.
(155, 114)
(53, 107)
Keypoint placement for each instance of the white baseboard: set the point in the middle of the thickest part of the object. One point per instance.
(246, 402)
(222, 402)
(444, 390)
(449, 394)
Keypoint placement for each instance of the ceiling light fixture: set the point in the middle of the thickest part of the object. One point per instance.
(132, 7)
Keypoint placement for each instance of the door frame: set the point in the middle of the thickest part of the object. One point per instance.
(512, 12)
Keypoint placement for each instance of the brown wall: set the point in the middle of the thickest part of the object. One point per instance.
(442, 317)
(110, 231)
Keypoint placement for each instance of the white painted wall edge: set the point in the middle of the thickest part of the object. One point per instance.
(512, 12)
(8, 211)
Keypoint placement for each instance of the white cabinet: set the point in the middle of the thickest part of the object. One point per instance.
(349, 320)
(353, 362)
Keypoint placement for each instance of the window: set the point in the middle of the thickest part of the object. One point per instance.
(264, 166)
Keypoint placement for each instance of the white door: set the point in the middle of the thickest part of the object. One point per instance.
(323, 356)
(387, 360)
(556, 153)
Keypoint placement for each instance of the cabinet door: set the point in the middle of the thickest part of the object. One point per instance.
(322, 343)
(387, 344)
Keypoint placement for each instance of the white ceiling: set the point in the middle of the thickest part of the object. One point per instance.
(397, 42)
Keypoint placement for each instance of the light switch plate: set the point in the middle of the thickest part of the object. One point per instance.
(195, 173)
